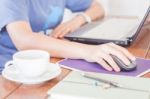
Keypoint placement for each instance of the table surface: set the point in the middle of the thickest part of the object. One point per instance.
(12, 90)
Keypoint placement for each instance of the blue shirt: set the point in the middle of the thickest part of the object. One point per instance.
(41, 14)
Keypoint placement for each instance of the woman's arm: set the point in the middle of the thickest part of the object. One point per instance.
(23, 38)
(95, 12)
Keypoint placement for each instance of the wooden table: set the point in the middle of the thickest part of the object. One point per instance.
(12, 90)
(148, 55)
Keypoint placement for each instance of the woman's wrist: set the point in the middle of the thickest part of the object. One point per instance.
(85, 51)
(86, 17)
(80, 20)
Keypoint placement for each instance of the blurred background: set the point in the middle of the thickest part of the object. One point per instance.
(119, 8)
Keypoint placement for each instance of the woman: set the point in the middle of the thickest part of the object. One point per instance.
(22, 20)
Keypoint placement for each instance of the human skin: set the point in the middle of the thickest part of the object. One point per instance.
(24, 38)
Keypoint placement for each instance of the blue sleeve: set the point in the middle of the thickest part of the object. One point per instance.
(12, 10)
(78, 5)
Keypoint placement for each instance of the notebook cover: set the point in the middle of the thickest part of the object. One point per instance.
(75, 86)
(142, 68)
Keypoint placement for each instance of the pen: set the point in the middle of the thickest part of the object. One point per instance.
(114, 84)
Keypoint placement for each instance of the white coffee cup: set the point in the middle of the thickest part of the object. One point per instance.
(29, 63)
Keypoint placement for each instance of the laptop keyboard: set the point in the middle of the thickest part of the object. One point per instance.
(113, 28)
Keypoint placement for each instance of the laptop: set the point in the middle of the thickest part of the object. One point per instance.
(119, 30)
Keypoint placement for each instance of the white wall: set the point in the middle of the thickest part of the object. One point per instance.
(125, 7)
(120, 8)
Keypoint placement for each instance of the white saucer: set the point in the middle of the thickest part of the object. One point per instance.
(53, 71)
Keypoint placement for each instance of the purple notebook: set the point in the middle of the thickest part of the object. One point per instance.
(142, 68)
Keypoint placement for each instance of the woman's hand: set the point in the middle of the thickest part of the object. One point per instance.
(95, 12)
(101, 55)
(68, 27)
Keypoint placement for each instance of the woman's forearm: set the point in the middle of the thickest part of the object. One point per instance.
(23, 38)
(56, 47)
(96, 11)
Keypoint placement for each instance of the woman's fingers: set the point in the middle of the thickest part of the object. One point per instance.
(117, 52)
(103, 58)
(111, 62)
(64, 32)
(124, 51)
(66, 28)
(61, 31)
(102, 55)
(57, 31)
(121, 56)
(104, 64)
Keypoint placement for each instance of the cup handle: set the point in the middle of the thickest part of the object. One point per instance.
(9, 66)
